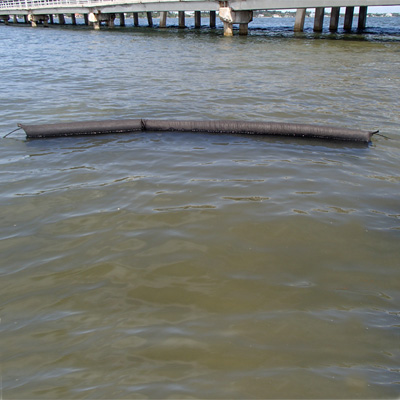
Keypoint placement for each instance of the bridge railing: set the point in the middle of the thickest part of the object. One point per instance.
(37, 4)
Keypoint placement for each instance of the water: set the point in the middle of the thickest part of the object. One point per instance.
(182, 265)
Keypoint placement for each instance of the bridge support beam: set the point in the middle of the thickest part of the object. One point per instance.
(230, 17)
(362, 18)
(135, 19)
(51, 19)
(334, 21)
(15, 19)
(149, 19)
(181, 19)
(61, 19)
(319, 19)
(121, 19)
(73, 19)
(212, 19)
(86, 19)
(163, 19)
(300, 18)
(348, 18)
(197, 19)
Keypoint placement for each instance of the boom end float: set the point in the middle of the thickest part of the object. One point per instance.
(216, 126)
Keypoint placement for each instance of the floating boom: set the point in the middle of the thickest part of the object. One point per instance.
(219, 126)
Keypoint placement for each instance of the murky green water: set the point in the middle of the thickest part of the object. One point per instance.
(190, 265)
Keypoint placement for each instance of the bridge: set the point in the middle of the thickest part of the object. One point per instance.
(96, 12)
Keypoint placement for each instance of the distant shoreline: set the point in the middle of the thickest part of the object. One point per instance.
(292, 14)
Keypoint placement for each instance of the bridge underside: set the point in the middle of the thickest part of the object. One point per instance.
(115, 6)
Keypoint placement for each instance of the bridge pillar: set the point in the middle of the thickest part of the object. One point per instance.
(135, 19)
(86, 19)
(299, 21)
(73, 19)
(362, 18)
(243, 29)
(110, 18)
(51, 19)
(348, 18)
(149, 19)
(228, 29)
(163, 19)
(95, 20)
(212, 19)
(334, 21)
(15, 19)
(61, 19)
(319, 19)
(35, 19)
(181, 19)
(26, 21)
(121, 19)
(197, 19)
(4, 18)
(230, 17)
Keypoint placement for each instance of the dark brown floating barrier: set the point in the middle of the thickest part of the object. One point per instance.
(235, 127)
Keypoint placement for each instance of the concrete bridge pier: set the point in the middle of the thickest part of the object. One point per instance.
(61, 19)
(45, 20)
(51, 19)
(38, 19)
(135, 19)
(334, 21)
(348, 18)
(26, 21)
(150, 19)
(319, 19)
(181, 19)
(213, 19)
(197, 19)
(4, 18)
(121, 19)
(109, 19)
(163, 19)
(95, 20)
(230, 17)
(243, 29)
(34, 21)
(299, 21)
(73, 19)
(362, 18)
(228, 29)
(86, 19)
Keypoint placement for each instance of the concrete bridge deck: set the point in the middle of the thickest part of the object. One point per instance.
(230, 12)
